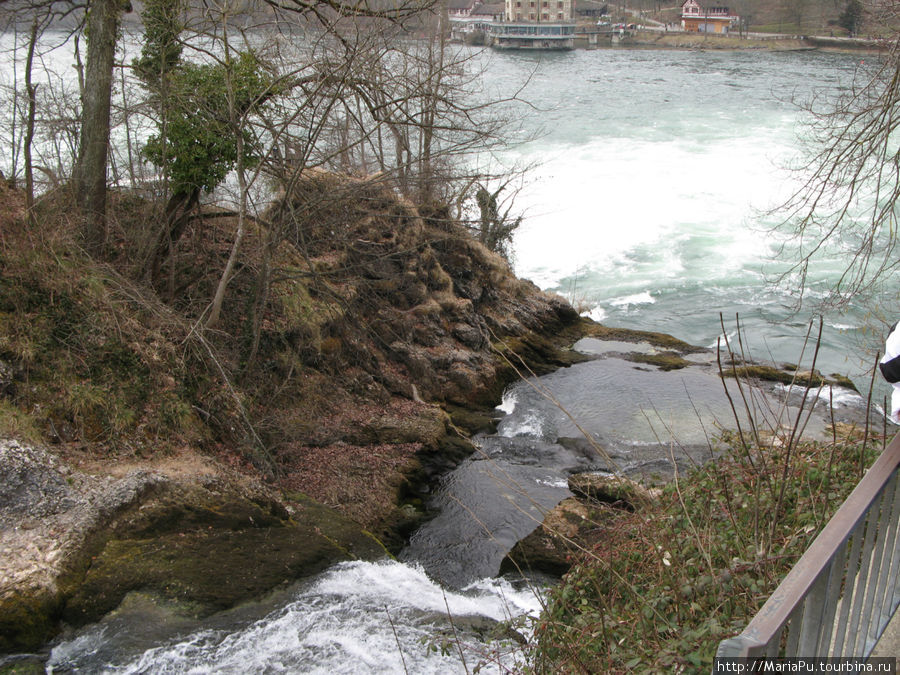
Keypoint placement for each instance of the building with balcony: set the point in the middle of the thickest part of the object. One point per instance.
(695, 18)
(536, 24)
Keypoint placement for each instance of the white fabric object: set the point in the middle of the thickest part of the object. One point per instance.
(892, 351)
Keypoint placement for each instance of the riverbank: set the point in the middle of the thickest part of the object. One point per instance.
(644, 39)
(657, 580)
(143, 454)
(189, 530)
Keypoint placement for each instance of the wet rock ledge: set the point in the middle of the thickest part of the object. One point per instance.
(673, 375)
(73, 544)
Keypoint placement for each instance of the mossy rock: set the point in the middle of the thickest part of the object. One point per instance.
(664, 361)
(554, 546)
(29, 665)
(617, 491)
(661, 340)
(450, 451)
(789, 373)
(773, 374)
(473, 420)
(541, 354)
(215, 570)
(214, 555)
(28, 618)
(540, 553)
(400, 525)
(843, 381)
(532, 353)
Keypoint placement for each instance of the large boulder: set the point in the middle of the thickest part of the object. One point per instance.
(619, 491)
(554, 545)
(72, 544)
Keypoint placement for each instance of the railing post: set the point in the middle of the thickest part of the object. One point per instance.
(740, 646)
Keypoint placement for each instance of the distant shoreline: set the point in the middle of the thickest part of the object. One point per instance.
(680, 40)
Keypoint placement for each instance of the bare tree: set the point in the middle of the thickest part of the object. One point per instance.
(238, 113)
(847, 203)
(326, 86)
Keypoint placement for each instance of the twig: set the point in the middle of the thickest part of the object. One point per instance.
(862, 452)
(455, 635)
(397, 639)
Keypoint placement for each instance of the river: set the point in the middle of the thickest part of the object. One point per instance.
(657, 171)
(647, 210)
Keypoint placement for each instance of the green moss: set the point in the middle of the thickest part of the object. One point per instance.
(216, 555)
(843, 381)
(300, 312)
(629, 335)
(14, 423)
(28, 618)
(772, 374)
(30, 666)
(663, 361)
(472, 420)
(789, 373)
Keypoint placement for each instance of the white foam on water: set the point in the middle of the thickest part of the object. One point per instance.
(723, 340)
(596, 313)
(839, 396)
(552, 482)
(358, 617)
(508, 403)
(601, 210)
(529, 424)
(644, 298)
(83, 644)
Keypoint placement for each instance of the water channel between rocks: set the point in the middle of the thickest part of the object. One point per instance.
(642, 418)
(385, 617)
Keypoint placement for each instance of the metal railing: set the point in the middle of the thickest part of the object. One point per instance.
(838, 598)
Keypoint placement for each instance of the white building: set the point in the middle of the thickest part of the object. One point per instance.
(536, 24)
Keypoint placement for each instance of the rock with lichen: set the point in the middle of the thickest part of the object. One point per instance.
(73, 544)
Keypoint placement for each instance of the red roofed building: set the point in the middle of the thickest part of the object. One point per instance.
(695, 18)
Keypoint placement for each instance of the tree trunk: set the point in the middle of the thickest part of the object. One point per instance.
(237, 119)
(93, 151)
(31, 90)
(435, 76)
(178, 212)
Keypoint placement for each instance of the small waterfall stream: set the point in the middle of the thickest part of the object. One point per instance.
(357, 617)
